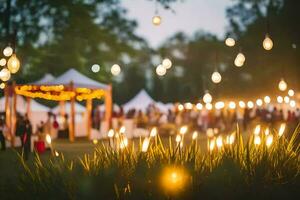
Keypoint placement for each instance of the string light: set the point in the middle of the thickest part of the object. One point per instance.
(293, 103)
(2, 62)
(199, 106)
(282, 85)
(2, 85)
(167, 63)
(207, 98)
(232, 105)
(291, 93)
(267, 99)
(230, 42)
(145, 145)
(219, 105)
(188, 106)
(208, 106)
(8, 51)
(216, 77)
(161, 70)
(115, 70)
(13, 64)
(5, 74)
(95, 68)
(267, 43)
(242, 104)
(279, 99)
(286, 99)
(250, 104)
(240, 60)
(156, 20)
(259, 102)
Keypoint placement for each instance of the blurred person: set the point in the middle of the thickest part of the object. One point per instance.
(26, 137)
(3, 130)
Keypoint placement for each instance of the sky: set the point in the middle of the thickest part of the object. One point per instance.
(189, 17)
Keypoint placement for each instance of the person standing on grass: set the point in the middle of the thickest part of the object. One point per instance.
(2, 138)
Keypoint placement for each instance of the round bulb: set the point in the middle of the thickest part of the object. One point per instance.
(267, 43)
(232, 105)
(13, 64)
(293, 103)
(242, 104)
(4, 74)
(207, 98)
(282, 85)
(241, 57)
(2, 85)
(230, 42)
(156, 20)
(8, 51)
(291, 92)
(2, 62)
(250, 104)
(161, 70)
(95, 68)
(216, 77)
(267, 99)
(259, 102)
(279, 99)
(115, 69)
(167, 63)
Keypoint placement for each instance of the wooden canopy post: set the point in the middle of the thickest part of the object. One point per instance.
(28, 106)
(72, 117)
(62, 108)
(88, 117)
(108, 105)
(8, 113)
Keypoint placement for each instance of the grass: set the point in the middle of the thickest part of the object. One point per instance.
(165, 170)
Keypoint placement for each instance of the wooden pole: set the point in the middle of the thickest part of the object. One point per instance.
(28, 106)
(108, 105)
(89, 117)
(72, 117)
(62, 108)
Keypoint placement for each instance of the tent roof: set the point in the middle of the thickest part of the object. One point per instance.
(140, 102)
(37, 107)
(78, 79)
(78, 108)
(45, 79)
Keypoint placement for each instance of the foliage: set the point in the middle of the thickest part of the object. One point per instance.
(242, 170)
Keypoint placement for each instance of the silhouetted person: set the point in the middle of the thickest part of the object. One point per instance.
(2, 138)
(26, 137)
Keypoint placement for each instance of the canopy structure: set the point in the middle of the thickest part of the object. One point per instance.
(139, 102)
(70, 86)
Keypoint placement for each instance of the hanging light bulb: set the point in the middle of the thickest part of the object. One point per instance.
(156, 20)
(232, 105)
(216, 77)
(291, 93)
(161, 70)
(4, 74)
(279, 99)
(267, 43)
(95, 68)
(115, 69)
(282, 85)
(2, 85)
(2, 62)
(230, 42)
(13, 64)
(240, 60)
(267, 99)
(167, 63)
(8, 51)
(207, 98)
(259, 102)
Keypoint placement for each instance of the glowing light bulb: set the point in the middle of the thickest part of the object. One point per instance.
(291, 93)
(111, 133)
(208, 106)
(267, 131)
(232, 105)
(2, 85)
(219, 142)
(95, 68)
(238, 63)
(267, 43)
(230, 139)
(95, 141)
(257, 129)
(210, 132)
(2, 62)
(167, 63)
(279, 99)
(219, 105)
(161, 70)
(250, 104)
(212, 144)
(267, 99)
(180, 107)
(183, 130)
(122, 130)
(241, 57)
(230, 42)
(242, 104)
(178, 138)
(207, 98)
(293, 103)
(156, 20)
(13, 64)
(188, 106)
(259, 102)
(216, 77)
(48, 139)
(5, 74)
(115, 69)
(282, 85)
(199, 106)
(8, 51)
(286, 99)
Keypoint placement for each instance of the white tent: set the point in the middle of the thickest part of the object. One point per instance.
(140, 102)
(78, 108)
(21, 104)
(78, 79)
(164, 107)
(45, 79)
